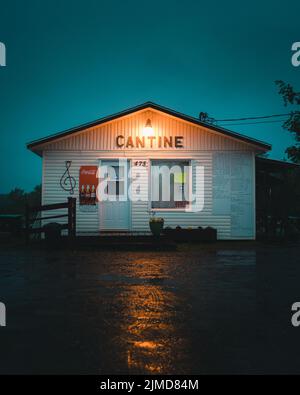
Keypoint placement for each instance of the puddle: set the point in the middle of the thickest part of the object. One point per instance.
(236, 258)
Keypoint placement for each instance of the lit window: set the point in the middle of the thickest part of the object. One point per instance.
(170, 184)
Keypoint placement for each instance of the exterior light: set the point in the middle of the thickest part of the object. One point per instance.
(148, 129)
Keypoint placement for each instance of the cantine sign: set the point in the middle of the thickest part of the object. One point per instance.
(149, 142)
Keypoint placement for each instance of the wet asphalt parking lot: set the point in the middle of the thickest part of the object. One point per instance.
(217, 309)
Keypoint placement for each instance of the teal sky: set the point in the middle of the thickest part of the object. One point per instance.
(70, 62)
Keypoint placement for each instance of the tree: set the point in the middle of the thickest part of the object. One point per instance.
(15, 201)
(291, 97)
(17, 195)
(34, 197)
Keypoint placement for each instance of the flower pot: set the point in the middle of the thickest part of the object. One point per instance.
(156, 227)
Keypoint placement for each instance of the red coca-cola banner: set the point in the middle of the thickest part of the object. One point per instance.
(88, 183)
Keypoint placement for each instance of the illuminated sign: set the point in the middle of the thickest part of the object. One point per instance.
(149, 142)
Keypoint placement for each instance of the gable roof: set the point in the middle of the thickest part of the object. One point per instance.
(260, 144)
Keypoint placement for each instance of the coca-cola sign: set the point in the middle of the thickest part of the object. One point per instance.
(88, 183)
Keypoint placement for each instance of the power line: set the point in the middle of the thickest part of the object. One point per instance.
(245, 119)
(253, 123)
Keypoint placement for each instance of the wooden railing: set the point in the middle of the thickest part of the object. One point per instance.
(70, 205)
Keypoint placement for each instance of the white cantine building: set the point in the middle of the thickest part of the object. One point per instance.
(214, 166)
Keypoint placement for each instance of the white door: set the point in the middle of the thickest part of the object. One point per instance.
(115, 207)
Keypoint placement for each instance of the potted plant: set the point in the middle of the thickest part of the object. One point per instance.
(156, 225)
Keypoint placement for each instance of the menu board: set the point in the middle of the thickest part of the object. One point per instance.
(233, 190)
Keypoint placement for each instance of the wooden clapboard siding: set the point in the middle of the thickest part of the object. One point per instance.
(140, 214)
(53, 166)
(53, 169)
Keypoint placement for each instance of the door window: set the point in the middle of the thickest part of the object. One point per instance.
(115, 180)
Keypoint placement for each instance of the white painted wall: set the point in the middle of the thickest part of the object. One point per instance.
(54, 166)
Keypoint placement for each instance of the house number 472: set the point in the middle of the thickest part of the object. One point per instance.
(140, 163)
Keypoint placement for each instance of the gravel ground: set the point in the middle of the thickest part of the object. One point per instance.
(198, 310)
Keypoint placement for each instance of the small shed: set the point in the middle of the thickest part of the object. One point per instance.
(153, 161)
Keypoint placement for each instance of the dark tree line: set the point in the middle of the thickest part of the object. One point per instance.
(291, 97)
(15, 201)
(290, 197)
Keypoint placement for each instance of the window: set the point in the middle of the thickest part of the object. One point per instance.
(170, 184)
(114, 176)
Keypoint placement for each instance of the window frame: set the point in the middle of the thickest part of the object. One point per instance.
(190, 177)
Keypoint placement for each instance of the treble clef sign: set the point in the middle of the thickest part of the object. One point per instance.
(67, 182)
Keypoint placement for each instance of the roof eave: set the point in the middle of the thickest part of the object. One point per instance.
(262, 145)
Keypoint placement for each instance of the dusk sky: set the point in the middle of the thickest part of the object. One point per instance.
(71, 62)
